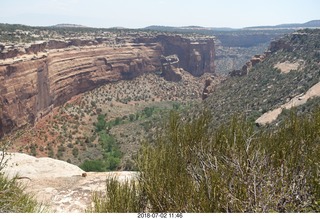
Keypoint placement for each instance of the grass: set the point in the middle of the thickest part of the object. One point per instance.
(120, 197)
(13, 198)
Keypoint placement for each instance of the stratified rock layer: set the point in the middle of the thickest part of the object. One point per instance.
(38, 77)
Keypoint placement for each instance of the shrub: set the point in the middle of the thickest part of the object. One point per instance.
(75, 152)
(120, 197)
(112, 161)
(92, 165)
(101, 124)
(117, 121)
(50, 151)
(131, 117)
(148, 111)
(33, 150)
(235, 168)
(107, 141)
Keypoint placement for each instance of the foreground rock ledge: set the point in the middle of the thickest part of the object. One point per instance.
(58, 184)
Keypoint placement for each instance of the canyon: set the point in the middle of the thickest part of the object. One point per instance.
(37, 77)
(92, 102)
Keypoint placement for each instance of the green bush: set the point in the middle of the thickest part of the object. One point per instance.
(111, 154)
(148, 111)
(75, 152)
(117, 121)
(234, 168)
(92, 165)
(101, 124)
(107, 141)
(112, 162)
(131, 117)
(120, 197)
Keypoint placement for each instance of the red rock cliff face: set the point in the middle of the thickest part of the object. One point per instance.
(49, 74)
(196, 55)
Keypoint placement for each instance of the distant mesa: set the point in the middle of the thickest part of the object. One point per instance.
(309, 24)
(118, 28)
(69, 26)
(82, 26)
(193, 27)
(187, 28)
(313, 23)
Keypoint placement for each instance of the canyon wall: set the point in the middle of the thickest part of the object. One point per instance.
(38, 77)
(196, 55)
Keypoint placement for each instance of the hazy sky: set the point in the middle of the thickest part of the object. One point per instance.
(142, 13)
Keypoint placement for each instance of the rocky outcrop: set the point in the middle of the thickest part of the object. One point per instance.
(210, 82)
(196, 55)
(169, 67)
(36, 78)
(247, 67)
(61, 187)
(207, 88)
(279, 45)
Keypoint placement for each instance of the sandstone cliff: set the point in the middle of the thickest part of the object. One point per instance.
(196, 55)
(38, 77)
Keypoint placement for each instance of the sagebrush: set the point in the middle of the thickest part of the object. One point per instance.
(235, 168)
